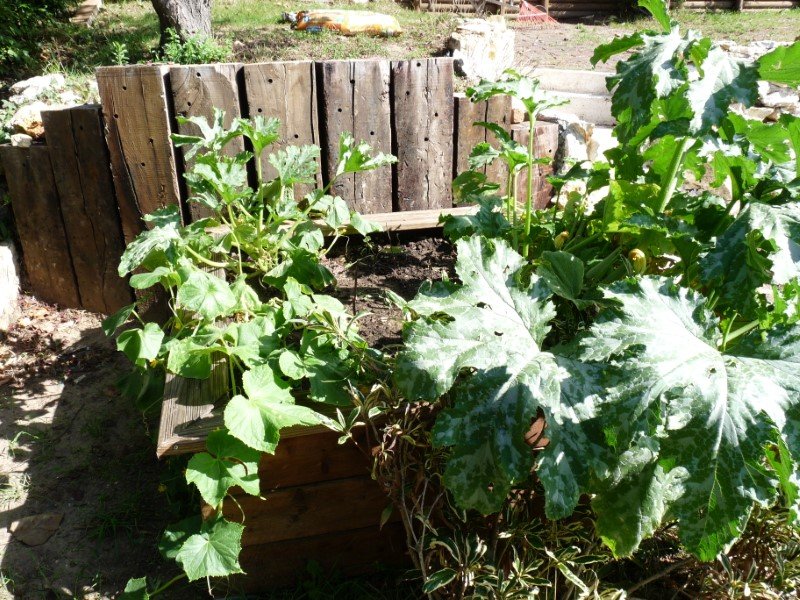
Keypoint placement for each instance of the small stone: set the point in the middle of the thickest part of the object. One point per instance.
(37, 529)
(28, 120)
(21, 140)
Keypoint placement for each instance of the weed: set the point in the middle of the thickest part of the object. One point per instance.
(14, 489)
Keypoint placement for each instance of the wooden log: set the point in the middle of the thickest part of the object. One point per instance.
(423, 125)
(37, 213)
(346, 553)
(88, 206)
(354, 97)
(286, 91)
(196, 91)
(137, 134)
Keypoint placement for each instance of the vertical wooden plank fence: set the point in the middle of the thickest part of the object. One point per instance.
(88, 206)
(354, 98)
(37, 212)
(137, 133)
(423, 122)
(196, 91)
(286, 91)
(89, 192)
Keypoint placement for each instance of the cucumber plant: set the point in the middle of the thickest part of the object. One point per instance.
(245, 290)
(656, 330)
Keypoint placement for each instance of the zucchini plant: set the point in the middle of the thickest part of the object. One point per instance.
(656, 330)
(245, 289)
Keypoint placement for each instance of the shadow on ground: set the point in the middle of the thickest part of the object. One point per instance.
(71, 445)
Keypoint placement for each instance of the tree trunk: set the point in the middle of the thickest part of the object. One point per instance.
(186, 17)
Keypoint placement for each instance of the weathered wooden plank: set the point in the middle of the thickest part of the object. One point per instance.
(498, 110)
(187, 412)
(467, 135)
(137, 133)
(311, 458)
(88, 206)
(309, 510)
(545, 146)
(286, 91)
(37, 213)
(423, 125)
(347, 553)
(196, 91)
(354, 98)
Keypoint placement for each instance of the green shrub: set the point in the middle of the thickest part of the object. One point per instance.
(17, 19)
(197, 49)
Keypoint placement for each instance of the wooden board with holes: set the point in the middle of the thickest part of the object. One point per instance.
(545, 146)
(286, 91)
(423, 122)
(137, 128)
(88, 206)
(37, 213)
(196, 91)
(354, 98)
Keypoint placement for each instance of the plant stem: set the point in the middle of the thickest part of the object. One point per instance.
(741, 331)
(205, 260)
(529, 195)
(667, 190)
(166, 585)
(658, 575)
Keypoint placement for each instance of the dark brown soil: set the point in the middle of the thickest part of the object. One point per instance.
(401, 265)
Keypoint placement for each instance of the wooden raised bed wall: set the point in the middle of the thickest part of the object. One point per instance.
(64, 206)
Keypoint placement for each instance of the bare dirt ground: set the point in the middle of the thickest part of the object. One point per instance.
(72, 447)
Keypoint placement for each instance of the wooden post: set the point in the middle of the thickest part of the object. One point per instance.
(286, 91)
(354, 97)
(88, 206)
(196, 91)
(37, 213)
(423, 125)
(545, 146)
(137, 134)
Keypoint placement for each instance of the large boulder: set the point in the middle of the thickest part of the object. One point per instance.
(482, 48)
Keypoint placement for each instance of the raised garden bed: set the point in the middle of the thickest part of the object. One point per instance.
(319, 501)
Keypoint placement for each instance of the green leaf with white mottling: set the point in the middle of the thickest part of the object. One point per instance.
(494, 321)
(712, 413)
(724, 80)
(492, 327)
(214, 552)
(161, 237)
(761, 246)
